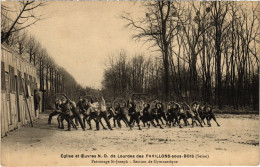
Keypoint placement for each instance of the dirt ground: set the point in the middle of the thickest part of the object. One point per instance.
(235, 142)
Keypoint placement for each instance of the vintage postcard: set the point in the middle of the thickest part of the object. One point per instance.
(130, 83)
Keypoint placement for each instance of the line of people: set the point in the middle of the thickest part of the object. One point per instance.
(148, 114)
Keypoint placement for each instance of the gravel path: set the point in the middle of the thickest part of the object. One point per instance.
(235, 142)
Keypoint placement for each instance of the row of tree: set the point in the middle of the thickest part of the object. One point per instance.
(14, 21)
(206, 51)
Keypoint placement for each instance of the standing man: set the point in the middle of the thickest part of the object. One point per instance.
(37, 100)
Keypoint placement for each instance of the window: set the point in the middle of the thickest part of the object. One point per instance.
(12, 79)
(31, 84)
(25, 84)
(26, 78)
(2, 75)
(34, 83)
(20, 83)
(7, 86)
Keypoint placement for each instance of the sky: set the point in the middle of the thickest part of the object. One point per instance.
(81, 35)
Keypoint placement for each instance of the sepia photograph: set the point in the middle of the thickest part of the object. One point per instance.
(130, 83)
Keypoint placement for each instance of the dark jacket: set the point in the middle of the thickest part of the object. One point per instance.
(131, 111)
(37, 100)
(82, 107)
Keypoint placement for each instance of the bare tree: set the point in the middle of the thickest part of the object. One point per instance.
(194, 24)
(22, 42)
(24, 17)
(32, 48)
(158, 28)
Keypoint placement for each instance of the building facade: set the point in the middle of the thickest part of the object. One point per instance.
(18, 82)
